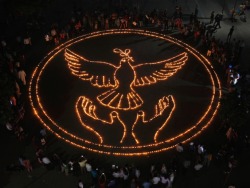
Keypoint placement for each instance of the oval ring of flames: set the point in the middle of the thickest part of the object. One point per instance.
(203, 122)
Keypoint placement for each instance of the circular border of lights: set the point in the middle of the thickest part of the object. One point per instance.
(135, 150)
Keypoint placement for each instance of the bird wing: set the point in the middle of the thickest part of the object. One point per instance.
(150, 73)
(100, 74)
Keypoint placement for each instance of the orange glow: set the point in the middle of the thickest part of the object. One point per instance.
(85, 106)
(114, 98)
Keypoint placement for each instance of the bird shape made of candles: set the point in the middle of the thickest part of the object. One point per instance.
(124, 78)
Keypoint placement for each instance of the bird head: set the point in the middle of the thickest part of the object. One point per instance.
(124, 54)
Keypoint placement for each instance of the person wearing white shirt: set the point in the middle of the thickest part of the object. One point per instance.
(46, 160)
(88, 167)
(22, 75)
(165, 180)
(82, 163)
(156, 180)
(116, 174)
(80, 184)
(179, 147)
(137, 173)
(198, 166)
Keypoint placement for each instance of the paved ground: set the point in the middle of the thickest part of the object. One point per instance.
(212, 177)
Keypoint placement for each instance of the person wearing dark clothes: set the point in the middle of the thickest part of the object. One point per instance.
(196, 12)
(229, 36)
(217, 20)
(212, 17)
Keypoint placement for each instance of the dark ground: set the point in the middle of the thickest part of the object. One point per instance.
(11, 148)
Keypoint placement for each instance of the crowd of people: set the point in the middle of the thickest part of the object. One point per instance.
(194, 157)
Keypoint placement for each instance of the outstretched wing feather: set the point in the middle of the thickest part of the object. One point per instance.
(150, 73)
(100, 74)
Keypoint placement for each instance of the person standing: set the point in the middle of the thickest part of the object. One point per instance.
(217, 20)
(146, 184)
(196, 12)
(80, 184)
(21, 75)
(26, 164)
(229, 36)
(212, 17)
(82, 163)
